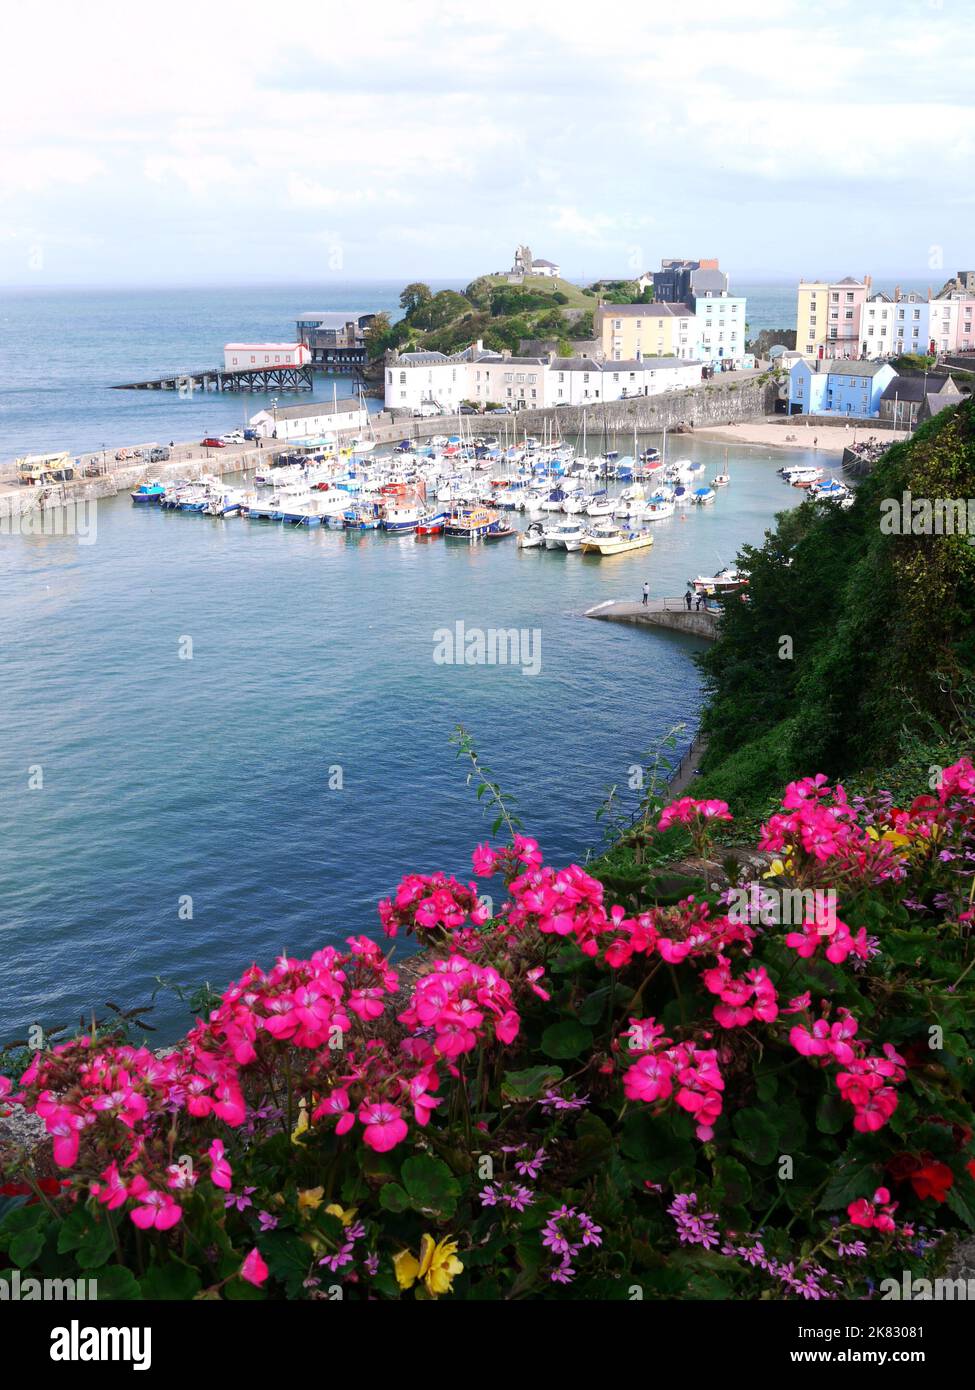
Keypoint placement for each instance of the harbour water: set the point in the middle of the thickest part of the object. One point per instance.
(62, 350)
(188, 819)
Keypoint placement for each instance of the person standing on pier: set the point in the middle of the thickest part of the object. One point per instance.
(646, 593)
(688, 597)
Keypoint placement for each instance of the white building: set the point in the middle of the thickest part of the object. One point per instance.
(307, 424)
(485, 378)
(549, 268)
(719, 328)
(240, 357)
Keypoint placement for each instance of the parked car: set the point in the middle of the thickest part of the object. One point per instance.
(211, 443)
(159, 454)
(468, 410)
(499, 410)
(424, 412)
(250, 434)
(233, 437)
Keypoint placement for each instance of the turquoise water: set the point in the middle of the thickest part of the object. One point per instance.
(209, 777)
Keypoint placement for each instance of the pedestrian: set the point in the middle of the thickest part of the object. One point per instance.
(815, 440)
(688, 597)
(700, 600)
(646, 593)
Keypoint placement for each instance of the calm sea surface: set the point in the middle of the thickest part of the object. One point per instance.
(166, 779)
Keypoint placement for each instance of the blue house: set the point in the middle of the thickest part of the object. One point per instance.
(848, 388)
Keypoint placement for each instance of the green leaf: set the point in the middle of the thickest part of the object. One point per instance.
(431, 1186)
(116, 1283)
(170, 1281)
(652, 1144)
(532, 1082)
(855, 1179)
(97, 1245)
(732, 1183)
(566, 1040)
(757, 1136)
(830, 1114)
(392, 1197)
(961, 1206)
(25, 1247)
(287, 1258)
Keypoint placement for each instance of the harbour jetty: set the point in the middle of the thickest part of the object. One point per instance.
(279, 378)
(671, 613)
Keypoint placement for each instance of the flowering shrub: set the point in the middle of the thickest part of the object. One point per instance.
(576, 1094)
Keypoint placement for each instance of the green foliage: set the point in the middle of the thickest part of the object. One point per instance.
(882, 632)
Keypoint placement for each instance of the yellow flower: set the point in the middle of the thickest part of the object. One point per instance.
(302, 1124)
(346, 1217)
(437, 1266)
(310, 1199)
(775, 869)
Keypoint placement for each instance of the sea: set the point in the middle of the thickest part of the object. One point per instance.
(223, 741)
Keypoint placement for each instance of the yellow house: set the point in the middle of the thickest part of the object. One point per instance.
(828, 317)
(629, 331)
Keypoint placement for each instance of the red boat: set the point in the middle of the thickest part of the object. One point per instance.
(431, 525)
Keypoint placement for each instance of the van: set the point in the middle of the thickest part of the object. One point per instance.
(159, 454)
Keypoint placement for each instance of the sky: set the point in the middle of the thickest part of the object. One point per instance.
(234, 142)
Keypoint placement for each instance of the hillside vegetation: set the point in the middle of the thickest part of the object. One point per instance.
(490, 309)
(854, 654)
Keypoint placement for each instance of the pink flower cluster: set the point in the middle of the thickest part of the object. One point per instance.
(866, 1082)
(428, 901)
(876, 1214)
(453, 1001)
(687, 811)
(683, 1070)
(840, 941)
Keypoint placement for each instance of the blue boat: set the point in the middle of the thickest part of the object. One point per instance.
(149, 492)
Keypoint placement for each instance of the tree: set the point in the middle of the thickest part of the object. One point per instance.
(379, 336)
(414, 295)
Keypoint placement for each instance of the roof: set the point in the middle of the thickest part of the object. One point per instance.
(662, 310)
(332, 318)
(539, 261)
(262, 347)
(302, 412)
(855, 368)
(908, 389)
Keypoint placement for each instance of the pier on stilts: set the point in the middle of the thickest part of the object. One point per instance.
(258, 379)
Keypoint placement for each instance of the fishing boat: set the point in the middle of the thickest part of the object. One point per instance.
(400, 516)
(469, 523)
(500, 530)
(727, 581)
(564, 535)
(364, 517)
(152, 492)
(615, 540)
(431, 524)
(533, 537)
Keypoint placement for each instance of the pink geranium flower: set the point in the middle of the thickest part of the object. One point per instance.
(254, 1269)
(384, 1125)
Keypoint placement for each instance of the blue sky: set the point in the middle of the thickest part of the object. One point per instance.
(225, 143)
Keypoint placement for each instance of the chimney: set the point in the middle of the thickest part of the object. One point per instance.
(868, 281)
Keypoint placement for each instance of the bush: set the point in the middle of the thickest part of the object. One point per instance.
(589, 1088)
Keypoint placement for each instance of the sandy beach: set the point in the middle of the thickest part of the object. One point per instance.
(830, 439)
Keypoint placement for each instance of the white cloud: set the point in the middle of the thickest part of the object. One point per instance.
(580, 131)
